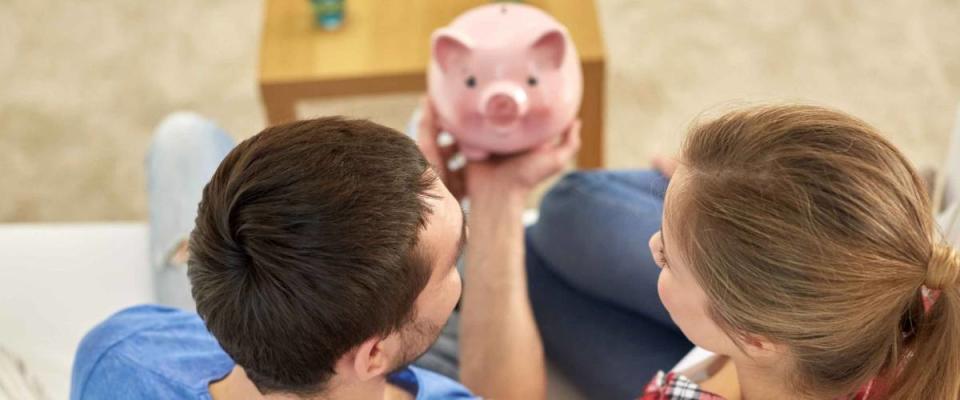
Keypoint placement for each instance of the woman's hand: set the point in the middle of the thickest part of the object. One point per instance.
(665, 164)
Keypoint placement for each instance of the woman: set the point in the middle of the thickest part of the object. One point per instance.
(796, 243)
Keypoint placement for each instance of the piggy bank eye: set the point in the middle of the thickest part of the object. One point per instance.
(532, 81)
(471, 81)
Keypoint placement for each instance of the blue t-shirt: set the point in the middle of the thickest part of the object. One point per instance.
(154, 352)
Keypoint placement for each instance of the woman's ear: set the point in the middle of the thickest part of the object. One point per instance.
(762, 348)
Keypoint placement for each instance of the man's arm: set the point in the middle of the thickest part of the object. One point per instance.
(500, 350)
(501, 355)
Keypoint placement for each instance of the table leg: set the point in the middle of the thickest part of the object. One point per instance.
(279, 104)
(591, 154)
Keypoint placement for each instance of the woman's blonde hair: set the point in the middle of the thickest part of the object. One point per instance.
(805, 226)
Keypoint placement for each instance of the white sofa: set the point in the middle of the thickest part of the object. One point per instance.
(58, 281)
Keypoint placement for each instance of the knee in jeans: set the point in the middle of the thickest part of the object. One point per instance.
(184, 130)
(573, 186)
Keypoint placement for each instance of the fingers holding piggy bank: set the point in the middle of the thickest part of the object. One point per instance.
(504, 78)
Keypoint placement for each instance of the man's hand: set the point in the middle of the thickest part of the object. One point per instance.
(520, 172)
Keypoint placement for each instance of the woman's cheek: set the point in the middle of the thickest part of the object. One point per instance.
(663, 289)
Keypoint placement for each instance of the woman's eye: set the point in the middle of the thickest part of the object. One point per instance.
(471, 82)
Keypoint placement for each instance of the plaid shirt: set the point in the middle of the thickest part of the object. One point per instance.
(674, 386)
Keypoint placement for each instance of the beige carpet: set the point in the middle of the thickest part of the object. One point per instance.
(84, 83)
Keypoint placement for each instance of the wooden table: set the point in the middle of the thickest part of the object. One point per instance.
(384, 47)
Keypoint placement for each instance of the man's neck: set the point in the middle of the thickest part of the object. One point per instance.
(236, 385)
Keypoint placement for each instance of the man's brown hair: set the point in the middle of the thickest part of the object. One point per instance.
(306, 245)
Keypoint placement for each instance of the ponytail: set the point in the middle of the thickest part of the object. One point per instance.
(932, 368)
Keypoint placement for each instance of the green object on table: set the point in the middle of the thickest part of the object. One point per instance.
(328, 14)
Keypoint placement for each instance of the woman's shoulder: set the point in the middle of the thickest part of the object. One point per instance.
(701, 375)
(675, 386)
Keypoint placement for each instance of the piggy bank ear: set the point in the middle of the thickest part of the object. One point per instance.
(548, 50)
(449, 49)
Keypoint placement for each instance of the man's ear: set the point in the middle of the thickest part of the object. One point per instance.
(369, 360)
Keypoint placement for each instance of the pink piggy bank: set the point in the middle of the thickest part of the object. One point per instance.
(504, 78)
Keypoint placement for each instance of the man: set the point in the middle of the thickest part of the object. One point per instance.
(322, 263)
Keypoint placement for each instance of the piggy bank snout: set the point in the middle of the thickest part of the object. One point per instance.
(503, 107)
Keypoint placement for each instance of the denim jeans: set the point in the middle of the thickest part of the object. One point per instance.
(184, 153)
(593, 282)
